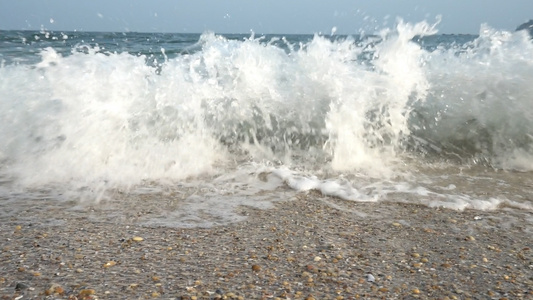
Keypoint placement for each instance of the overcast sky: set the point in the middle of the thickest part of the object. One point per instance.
(268, 16)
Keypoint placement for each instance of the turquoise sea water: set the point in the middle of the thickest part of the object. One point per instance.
(404, 115)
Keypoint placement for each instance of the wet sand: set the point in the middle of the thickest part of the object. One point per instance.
(305, 248)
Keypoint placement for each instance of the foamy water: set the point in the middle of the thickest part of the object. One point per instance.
(405, 116)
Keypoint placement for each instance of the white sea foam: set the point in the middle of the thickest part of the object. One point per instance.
(358, 119)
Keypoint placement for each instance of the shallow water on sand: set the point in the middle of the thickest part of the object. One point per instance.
(219, 200)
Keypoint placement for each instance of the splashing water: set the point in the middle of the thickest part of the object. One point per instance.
(405, 112)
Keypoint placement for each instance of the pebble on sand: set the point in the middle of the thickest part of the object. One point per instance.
(86, 292)
(20, 286)
(110, 264)
(133, 286)
(256, 268)
(55, 289)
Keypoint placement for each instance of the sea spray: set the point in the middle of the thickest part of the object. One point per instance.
(369, 118)
(361, 118)
(478, 109)
(93, 120)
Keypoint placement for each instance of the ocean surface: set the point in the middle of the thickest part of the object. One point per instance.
(194, 125)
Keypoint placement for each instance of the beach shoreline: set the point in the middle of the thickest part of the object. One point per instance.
(303, 248)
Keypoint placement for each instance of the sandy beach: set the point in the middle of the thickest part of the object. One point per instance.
(310, 247)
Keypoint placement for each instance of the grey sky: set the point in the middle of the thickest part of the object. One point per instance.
(272, 16)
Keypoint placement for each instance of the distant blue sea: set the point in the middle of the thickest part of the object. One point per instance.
(405, 115)
(24, 46)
